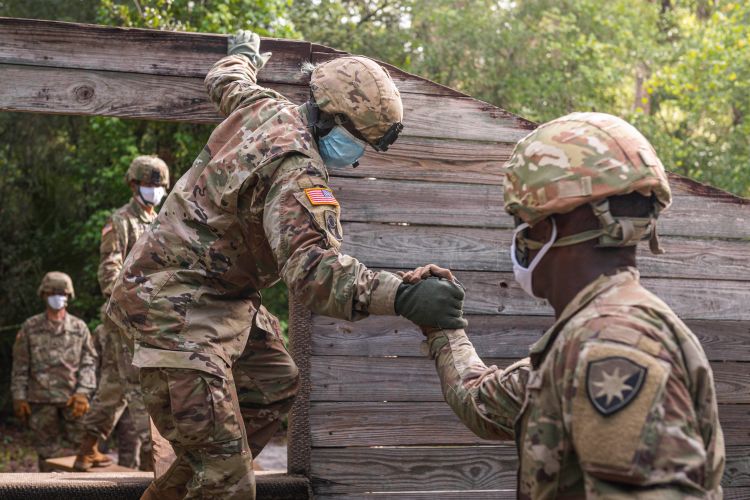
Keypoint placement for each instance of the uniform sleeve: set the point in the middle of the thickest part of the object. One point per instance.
(21, 365)
(232, 83)
(486, 399)
(111, 255)
(302, 225)
(631, 417)
(86, 375)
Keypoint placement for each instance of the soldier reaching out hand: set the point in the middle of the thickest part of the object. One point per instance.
(254, 208)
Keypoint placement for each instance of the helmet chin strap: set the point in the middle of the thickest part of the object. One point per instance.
(613, 231)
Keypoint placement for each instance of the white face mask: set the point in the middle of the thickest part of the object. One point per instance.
(522, 274)
(57, 302)
(152, 195)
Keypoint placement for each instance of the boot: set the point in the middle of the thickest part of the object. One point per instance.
(89, 455)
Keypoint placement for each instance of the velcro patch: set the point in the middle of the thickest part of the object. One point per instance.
(107, 228)
(321, 196)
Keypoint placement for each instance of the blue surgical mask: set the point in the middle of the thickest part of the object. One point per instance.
(340, 148)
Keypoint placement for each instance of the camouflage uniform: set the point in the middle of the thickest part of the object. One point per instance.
(617, 399)
(119, 391)
(52, 361)
(254, 207)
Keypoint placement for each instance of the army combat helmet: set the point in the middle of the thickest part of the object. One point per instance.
(585, 158)
(364, 92)
(56, 283)
(148, 169)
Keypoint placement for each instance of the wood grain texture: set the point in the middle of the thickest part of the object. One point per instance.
(434, 424)
(492, 293)
(493, 336)
(481, 205)
(133, 50)
(405, 469)
(127, 95)
(418, 468)
(479, 249)
(438, 495)
(362, 379)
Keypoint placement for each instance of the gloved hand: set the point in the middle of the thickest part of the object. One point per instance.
(426, 271)
(80, 404)
(247, 43)
(22, 410)
(432, 302)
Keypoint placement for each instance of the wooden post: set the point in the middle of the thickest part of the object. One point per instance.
(300, 331)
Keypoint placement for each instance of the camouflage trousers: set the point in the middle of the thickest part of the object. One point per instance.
(113, 397)
(216, 425)
(49, 422)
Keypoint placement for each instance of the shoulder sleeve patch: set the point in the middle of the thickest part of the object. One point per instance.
(321, 196)
(107, 228)
(618, 387)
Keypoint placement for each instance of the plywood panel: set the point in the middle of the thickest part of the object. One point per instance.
(479, 249)
(434, 423)
(349, 378)
(493, 336)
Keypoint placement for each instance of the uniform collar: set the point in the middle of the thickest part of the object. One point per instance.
(593, 290)
(140, 212)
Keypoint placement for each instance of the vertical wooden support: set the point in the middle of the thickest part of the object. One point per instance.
(300, 330)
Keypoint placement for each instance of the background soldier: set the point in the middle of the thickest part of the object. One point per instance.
(54, 370)
(255, 207)
(119, 389)
(617, 399)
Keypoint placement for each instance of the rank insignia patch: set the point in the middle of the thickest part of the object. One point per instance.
(321, 196)
(613, 383)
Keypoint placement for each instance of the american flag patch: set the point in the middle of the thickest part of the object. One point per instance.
(320, 196)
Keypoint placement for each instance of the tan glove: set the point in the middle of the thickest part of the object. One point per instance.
(80, 404)
(22, 410)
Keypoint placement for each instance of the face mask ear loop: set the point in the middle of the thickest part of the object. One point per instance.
(545, 248)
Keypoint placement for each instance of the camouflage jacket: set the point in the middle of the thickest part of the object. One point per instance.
(51, 360)
(254, 207)
(119, 235)
(617, 400)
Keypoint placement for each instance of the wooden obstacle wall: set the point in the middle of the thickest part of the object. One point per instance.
(371, 417)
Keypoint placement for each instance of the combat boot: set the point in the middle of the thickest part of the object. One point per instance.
(89, 455)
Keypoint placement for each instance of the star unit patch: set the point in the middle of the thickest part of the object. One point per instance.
(321, 196)
(613, 383)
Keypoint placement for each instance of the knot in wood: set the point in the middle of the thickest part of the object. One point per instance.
(84, 93)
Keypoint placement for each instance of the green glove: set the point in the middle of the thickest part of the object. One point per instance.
(432, 302)
(247, 43)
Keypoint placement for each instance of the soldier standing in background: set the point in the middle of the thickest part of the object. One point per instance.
(54, 370)
(119, 389)
(617, 399)
(254, 208)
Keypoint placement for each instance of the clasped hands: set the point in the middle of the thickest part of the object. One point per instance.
(431, 298)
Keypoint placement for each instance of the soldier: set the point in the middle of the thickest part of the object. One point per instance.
(254, 208)
(119, 390)
(54, 369)
(617, 399)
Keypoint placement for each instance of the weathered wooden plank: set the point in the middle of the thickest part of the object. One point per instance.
(406, 82)
(491, 293)
(132, 50)
(421, 469)
(446, 468)
(493, 336)
(435, 424)
(128, 95)
(350, 378)
(475, 249)
(434, 160)
(736, 493)
(481, 205)
(438, 495)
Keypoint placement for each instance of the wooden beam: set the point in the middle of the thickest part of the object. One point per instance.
(362, 379)
(492, 336)
(336, 424)
(475, 249)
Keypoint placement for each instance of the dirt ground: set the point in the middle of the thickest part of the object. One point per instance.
(17, 454)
